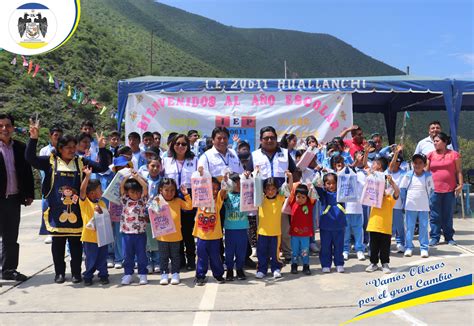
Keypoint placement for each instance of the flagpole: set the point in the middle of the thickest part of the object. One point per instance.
(402, 137)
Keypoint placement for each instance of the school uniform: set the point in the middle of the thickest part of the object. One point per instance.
(272, 166)
(398, 223)
(301, 229)
(355, 219)
(152, 252)
(214, 162)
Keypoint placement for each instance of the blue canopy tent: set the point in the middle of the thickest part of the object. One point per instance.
(387, 94)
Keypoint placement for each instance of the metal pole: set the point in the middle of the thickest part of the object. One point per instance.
(408, 70)
(285, 70)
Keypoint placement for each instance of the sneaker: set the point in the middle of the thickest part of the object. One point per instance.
(408, 253)
(110, 264)
(287, 260)
(59, 279)
(254, 252)
(360, 255)
(104, 280)
(452, 243)
(294, 269)
(400, 248)
(87, 281)
(149, 268)
(277, 274)
(326, 270)
(157, 269)
(241, 275)
(48, 240)
(259, 275)
(220, 279)
(314, 247)
(345, 255)
(433, 242)
(371, 268)
(306, 270)
(250, 263)
(175, 279)
(340, 269)
(164, 279)
(424, 254)
(126, 279)
(200, 281)
(191, 265)
(76, 279)
(118, 266)
(229, 276)
(386, 269)
(143, 279)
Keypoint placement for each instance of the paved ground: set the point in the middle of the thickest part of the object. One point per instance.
(294, 299)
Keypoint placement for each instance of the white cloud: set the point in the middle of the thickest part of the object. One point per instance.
(467, 58)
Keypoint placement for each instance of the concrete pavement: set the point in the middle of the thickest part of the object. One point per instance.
(294, 299)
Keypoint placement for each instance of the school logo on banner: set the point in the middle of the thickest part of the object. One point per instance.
(30, 28)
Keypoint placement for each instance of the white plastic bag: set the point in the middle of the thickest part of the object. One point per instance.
(201, 189)
(307, 158)
(112, 193)
(374, 188)
(347, 186)
(103, 226)
(258, 189)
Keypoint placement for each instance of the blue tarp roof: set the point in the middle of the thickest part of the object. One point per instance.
(381, 94)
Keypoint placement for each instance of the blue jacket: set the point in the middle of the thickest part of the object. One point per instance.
(406, 182)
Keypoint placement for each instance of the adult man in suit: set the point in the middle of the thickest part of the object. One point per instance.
(16, 189)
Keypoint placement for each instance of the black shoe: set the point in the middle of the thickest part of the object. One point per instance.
(241, 275)
(220, 279)
(287, 260)
(250, 263)
(200, 281)
(229, 276)
(59, 279)
(306, 270)
(294, 268)
(191, 265)
(104, 280)
(14, 276)
(88, 282)
(76, 279)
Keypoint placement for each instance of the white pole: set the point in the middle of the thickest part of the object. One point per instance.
(285, 70)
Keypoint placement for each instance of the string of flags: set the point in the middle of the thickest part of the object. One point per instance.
(75, 93)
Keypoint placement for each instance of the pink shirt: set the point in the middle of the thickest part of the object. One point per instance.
(9, 159)
(443, 168)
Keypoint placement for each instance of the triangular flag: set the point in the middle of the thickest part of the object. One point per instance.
(69, 90)
(50, 78)
(103, 110)
(56, 83)
(13, 62)
(80, 97)
(37, 68)
(62, 86)
(74, 96)
(25, 63)
(30, 66)
(93, 102)
(86, 100)
(407, 114)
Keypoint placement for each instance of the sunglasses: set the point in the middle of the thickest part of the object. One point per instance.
(269, 138)
(181, 144)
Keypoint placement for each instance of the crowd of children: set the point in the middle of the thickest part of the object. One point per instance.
(309, 196)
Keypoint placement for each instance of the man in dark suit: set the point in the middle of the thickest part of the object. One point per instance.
(16, 189)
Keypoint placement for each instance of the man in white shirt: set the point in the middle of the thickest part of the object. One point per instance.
(426, 145)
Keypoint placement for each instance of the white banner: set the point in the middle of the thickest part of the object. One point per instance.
(321, 115)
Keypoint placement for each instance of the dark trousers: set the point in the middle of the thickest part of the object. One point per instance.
(187, 249)
(9, 226)
(267, 247)
(380, 247)
(332, 246)
(134, 245)
(58, 248)
(96, 259)
(236, 246)
(208, 252)
(169, 251)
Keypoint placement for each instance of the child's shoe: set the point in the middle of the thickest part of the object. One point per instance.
(400, 248)
(259, 275)
(340, 269)
(277, 274)
(314, 247)
(157, 269)
(254, 252)
(386, 269)
(424, 254)
(371, 268)
(306, 270)
(326, 270)
(220, 279)
(118, 265)
(175, 279)
(200, 281)
(143, 279)
(345, 255)
(229, 276)
(149, 269)
(164, 279)
(408, 253)
(110, 264)
(241, 275)
(294, 269)
(126, 279)
(104, 280)
(87, 281)
(360, 255)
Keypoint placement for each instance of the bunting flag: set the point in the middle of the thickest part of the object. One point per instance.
(25, 63)
(50, 78)
(103, 110)
(62, 86)
(74, 96)
(56, 83)
(86, 100)
(30, 66)
(13, 62)
(69, 91)
(80, 97)
(37, 68)
(93, 102)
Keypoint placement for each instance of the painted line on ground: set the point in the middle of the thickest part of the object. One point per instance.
(208, 300)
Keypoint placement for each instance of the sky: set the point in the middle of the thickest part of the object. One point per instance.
(435, 38)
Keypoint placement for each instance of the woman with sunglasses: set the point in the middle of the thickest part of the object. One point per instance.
(180, 165)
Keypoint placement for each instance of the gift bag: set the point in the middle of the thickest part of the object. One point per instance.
(307, 158)
(201, 189)
(258, 190)
(112, 193)
(373, 191)
(115, 212)
(103, 227)
(286, 209)
(160, 218)
(247, 187)
(347, 186)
